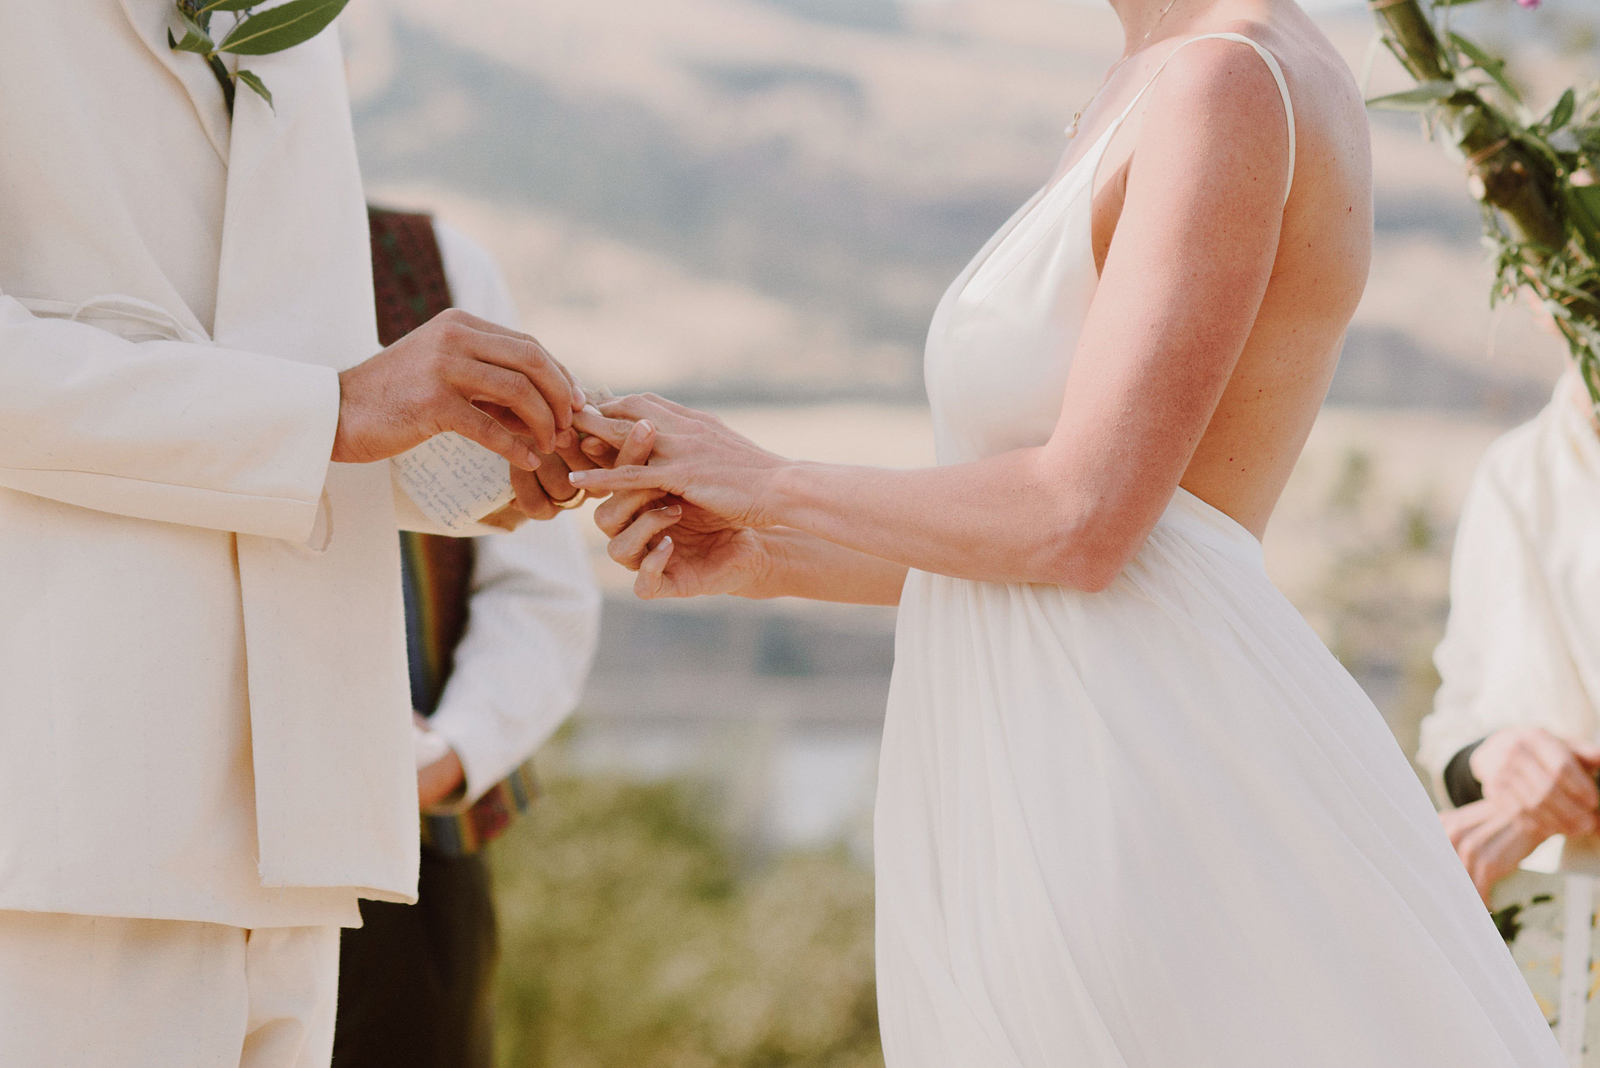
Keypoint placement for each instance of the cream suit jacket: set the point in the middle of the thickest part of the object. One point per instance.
(203, 703)
(1522, 645)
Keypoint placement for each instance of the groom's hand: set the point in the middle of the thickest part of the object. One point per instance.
(451, 374)
(546, 492)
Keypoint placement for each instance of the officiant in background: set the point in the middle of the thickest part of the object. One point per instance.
(500, 631)
(1512, 741)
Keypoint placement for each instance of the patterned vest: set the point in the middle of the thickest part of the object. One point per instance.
(411, 288)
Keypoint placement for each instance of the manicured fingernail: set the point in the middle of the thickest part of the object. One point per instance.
(673, 509)
(666, 542)
(593, 446)
(646, 428)
(566, 439)
(577, 478)
(591, 409)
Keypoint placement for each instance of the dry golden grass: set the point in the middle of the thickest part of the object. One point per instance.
(634, 935)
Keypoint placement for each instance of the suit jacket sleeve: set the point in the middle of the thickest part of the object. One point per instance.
(172, 431)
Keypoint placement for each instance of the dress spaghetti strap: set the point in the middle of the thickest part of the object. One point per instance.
(1272, 65)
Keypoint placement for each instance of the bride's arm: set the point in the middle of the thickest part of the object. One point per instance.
(819, 570)
(681, 551)
(1182, 284)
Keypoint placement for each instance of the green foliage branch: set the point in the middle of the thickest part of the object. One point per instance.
(254, 34)
(1535, 175)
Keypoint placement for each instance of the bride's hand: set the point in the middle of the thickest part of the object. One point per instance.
(681, 550)
(696, 458)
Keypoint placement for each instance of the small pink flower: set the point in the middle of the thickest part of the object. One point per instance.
(1529, 4)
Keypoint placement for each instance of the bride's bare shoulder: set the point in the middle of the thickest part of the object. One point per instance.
(1222, 100)
(1223, 84)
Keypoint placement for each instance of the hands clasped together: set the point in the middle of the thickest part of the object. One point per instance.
(688, 505)
(1535, 785)
(670, 467)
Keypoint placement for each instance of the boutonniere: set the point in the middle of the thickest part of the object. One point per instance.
(254, 34)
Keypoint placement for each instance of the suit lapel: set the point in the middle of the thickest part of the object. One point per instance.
(295, 276)
(151, 19)
(330, 709)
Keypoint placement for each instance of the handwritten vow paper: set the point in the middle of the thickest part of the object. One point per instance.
(454, 481)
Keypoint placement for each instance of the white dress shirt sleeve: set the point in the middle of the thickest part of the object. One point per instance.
(173, 431)
(534, 618)
(530, 637)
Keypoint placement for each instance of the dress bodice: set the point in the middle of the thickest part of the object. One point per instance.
(1002, 339)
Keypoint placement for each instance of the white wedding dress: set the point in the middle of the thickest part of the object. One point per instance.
(1157, 826)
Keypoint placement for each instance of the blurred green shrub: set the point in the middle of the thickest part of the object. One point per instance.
(634, 936)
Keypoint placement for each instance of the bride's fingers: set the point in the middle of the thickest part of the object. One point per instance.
(621, 478)
(637, 446)
(641, 406)
(620, 509)
(609, 430)
(652, 578)
(615, 442)
(668, 404)
(667, 413)
(632, 545)
(600, 453)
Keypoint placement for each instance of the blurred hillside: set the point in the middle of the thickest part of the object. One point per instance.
(762, 200)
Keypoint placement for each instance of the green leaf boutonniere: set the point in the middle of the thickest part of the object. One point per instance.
(254, 34)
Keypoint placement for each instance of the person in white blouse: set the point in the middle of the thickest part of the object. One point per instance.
(1513, 743)
(501, 630)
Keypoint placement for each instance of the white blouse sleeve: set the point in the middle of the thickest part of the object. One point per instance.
(1503, 661)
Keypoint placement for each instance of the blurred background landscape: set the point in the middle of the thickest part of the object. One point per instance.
(753, 206)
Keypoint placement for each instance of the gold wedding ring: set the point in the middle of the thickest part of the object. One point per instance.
(571, 502)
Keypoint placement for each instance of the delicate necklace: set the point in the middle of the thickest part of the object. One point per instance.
(1072, 129)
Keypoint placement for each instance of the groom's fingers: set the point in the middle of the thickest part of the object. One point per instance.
(502, 391)
(526, 359)
(618, 510)
(533, 500)
(552, 476)
(541, 360)
(475, 424)
(631, 546)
